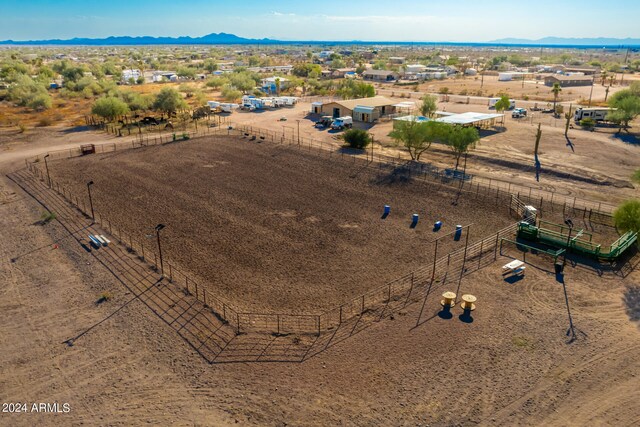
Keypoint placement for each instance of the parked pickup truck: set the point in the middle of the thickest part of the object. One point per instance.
(324, 122)
(519, 113)
(340, 123)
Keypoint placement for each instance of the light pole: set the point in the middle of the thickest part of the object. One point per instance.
(570, 225)
(46, 165)
(89, 184)
(158, 228)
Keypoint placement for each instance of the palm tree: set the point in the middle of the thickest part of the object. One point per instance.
(604, 76)
(556, 89)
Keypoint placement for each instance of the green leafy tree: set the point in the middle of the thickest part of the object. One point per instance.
(10, 67)
(627, 216)
(217, 82)
(503, 104)
(357, 138)
(429, 105)
(627, 104)
(168, 101)
(229, 93)
(303, 70)
(243, 81)
(350, 89)
(186, 72)
(417, 137)
(210, 65)
(460, 140)
(136, 101)
(109, 108)
(26, 92)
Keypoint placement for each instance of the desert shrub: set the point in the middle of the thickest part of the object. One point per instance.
(588, 123)
(104, 297)
(636, 176)
(41, 101)
(357, 138)
(44, 122)
(627, 216)
(22, 128)
(29, 93)
(229, 93)
(443, 90)
(47, 217)
(217, 82)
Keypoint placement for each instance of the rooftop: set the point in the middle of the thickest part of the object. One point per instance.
(467, 118)
(569, 78)
(376, 101)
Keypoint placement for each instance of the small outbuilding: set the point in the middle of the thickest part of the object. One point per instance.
(380, 75)
(567, 81)
(365, 110)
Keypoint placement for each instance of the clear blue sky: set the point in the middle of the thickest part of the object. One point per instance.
(397, 20)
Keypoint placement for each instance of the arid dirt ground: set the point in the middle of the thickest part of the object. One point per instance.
(132, 360)
(512, 363)
(271, 227)
(596, 165)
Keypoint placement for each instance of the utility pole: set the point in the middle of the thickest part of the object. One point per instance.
(89, 184)
(593, 79)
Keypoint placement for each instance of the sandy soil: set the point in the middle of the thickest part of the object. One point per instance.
(271, 227)
(597, 165)
(513, 364)
(133, 362)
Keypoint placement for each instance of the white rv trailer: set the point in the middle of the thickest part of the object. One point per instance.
(228, 107)
(597, 114)
(492, 103)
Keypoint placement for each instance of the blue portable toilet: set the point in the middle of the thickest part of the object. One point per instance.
(414, 219)
(458, 232)
(387, 209)
(437, 226)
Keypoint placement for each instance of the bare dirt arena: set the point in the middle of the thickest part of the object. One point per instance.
(512, 364)
(271, 227)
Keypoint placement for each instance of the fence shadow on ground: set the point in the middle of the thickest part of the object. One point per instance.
(214, 330)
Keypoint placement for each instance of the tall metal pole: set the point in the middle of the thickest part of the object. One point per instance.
(593, 79)
(564, 258)
(89, 184)
(158, 228)
(46, 165)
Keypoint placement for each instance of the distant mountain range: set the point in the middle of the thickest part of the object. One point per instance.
(213, 38)
(567, 41)
(224, 38)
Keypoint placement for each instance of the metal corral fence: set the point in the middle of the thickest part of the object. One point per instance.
(540, 198)
(403, 290)
(391, 295)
